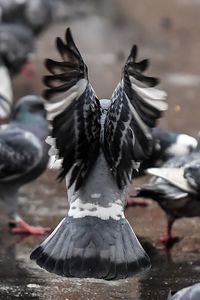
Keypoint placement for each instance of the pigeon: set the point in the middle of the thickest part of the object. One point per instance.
(100, 142)
(189, 293)
(175, 186)
(23, 157)
(166, 144)
(16, 46)
(35, 15)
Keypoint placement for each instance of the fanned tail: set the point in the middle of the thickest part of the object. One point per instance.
(92, 247)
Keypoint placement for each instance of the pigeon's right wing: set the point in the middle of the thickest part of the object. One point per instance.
(136, 105)
(74, 110)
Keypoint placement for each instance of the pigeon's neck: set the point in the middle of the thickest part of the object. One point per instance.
(99, 195)
(26, 117)
(34, 123)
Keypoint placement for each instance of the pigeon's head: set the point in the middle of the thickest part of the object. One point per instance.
(29, 108)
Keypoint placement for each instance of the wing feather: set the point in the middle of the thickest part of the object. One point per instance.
(74, 110)
(135, 107)
(20, 151)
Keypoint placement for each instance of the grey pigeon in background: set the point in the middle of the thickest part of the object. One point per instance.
(176, 188)
(16, 46)
(166, 144)
(101, 142)
(35, 15)
(189, 293)
(23, 156)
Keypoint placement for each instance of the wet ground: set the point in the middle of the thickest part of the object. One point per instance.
(167, 33)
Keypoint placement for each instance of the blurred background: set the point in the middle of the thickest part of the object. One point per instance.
(166, 32)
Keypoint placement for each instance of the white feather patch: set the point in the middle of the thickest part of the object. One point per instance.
(6, 92)
(60, 103)
(184, 145)
(54, 161)
(78, 209)
(174, 176)
(154, 97)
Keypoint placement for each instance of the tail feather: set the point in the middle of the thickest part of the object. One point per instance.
(91, 247)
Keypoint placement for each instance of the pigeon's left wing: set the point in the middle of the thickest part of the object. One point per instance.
(135, 107)
(74, 110)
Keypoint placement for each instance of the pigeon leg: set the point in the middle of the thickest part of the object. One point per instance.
(167, 238)
(19, 226)
(132, 201)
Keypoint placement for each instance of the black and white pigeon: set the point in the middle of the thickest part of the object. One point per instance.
(166, 144)
(23, 156)
(100, 142)
(189, 293)
(176, 188)
(16, 46)
(36, 15)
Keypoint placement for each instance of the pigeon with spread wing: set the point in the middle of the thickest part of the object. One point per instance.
(101, 142)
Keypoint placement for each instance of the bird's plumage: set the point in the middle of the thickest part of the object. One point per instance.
(134, 108)
(100, 142)
(16, 45)
(23, 151)
(6, 93)
(167, 144)
(33, 14)
(189, 293)
(175, 186)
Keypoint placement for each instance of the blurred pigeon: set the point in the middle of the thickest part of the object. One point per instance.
(101, 142)
(16, 45)
(166, 144)
(189, 293)
(23, 156)
(35, 15)
(176, 188)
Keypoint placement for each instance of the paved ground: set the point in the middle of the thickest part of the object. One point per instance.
(169, 35)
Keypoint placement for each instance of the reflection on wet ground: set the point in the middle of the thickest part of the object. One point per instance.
(171, 40)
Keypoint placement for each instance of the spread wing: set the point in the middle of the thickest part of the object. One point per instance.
(135, 106)
(20, 151)
(74, 110)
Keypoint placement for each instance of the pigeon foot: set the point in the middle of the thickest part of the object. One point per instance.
(169, 240)
(21, 227)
